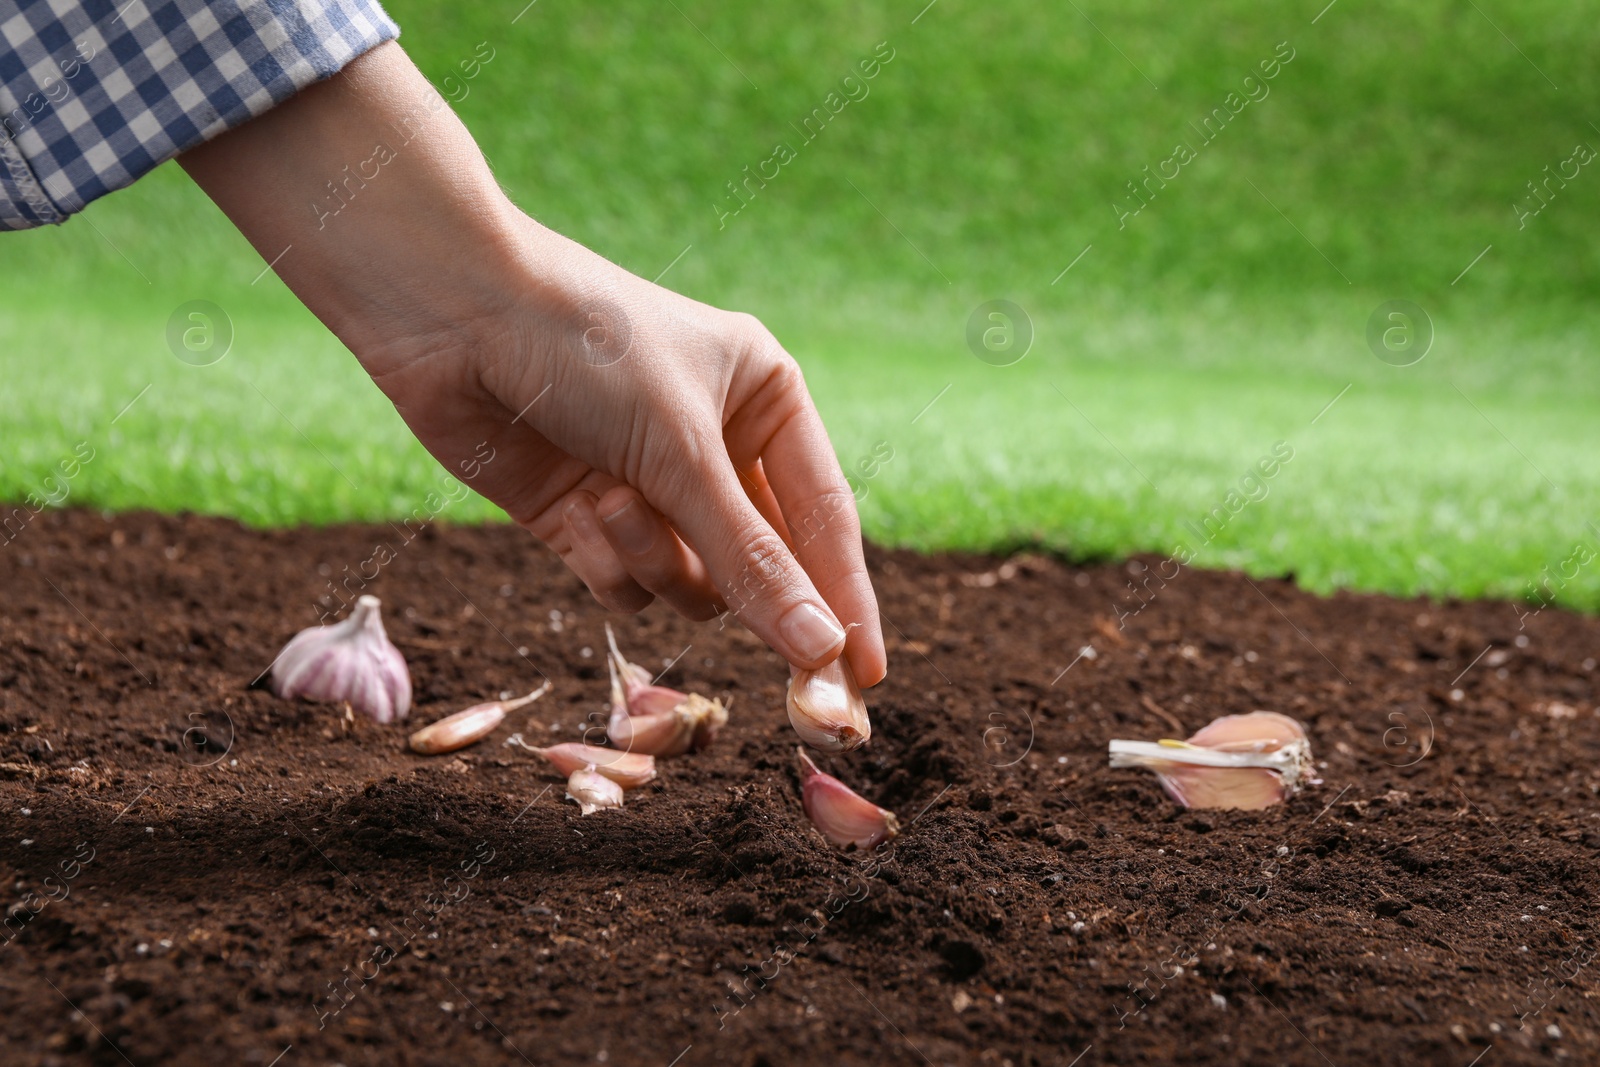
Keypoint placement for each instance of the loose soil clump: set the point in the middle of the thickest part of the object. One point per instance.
(199, 873)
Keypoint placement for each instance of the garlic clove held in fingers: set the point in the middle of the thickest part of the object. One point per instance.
(1243, 762)
(826, 709)
(352, 660)
(842, 815)
(593, 790)
(654, 719)
(630, 770)
(469, 725)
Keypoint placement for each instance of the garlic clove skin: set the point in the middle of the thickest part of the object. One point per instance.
(842, 815)
(593, 790)
(630, 770)
(708, 717)
(1259, 731)
(352, 660)
(1222, 788)
(469, 725)
(826, 709)
(1242, 762)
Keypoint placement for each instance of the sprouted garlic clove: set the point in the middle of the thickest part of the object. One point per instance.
(593, 790)
(630, 770)
(842, 815)
(654, 719)
(1243, 762)
(352, 660)
(826, 709)
(469, 725)
(631, 682)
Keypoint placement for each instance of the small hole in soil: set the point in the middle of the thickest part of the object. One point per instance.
(962, 959)
(740, 910)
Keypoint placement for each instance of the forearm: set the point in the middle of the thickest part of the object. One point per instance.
(355, 190)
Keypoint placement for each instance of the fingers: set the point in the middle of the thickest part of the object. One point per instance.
(759, 490)
(627, 556)
(592, 558)
(780, 424)
(750, 566)
(655, 556)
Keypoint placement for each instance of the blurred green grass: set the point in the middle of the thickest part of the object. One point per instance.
(987, 155)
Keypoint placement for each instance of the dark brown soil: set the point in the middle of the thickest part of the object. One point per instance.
(318, 895)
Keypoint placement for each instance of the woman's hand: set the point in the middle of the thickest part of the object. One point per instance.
(663, 447)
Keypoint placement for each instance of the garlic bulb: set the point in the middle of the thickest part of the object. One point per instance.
(826, 709)
(350, 660)
(630, 770)
(469, 725)
(652, 718)
(593, 790)
(1244, 762)
(844, 816)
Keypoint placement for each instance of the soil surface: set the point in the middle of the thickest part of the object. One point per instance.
(199, 873)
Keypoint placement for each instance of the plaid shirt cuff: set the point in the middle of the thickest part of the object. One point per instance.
(93, 94)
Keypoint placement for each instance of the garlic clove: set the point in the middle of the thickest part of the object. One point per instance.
(654, 719)
(633, 674)
(352, 660)
(826, 709)
(843, 816)
(628, 769)
(469, 725)
(1222, 788)
(593, 790)
(660, 733)
(640, 696)
(1259, 731)
(667, 734)
(1244, 762)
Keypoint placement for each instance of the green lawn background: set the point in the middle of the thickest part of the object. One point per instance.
(985, 158)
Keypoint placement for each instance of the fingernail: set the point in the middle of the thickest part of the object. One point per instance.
(811, 631)
(583, 524)
(634, 532)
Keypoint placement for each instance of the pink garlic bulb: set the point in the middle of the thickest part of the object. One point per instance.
(352, 660)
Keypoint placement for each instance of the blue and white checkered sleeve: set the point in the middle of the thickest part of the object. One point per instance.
(94, 93)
